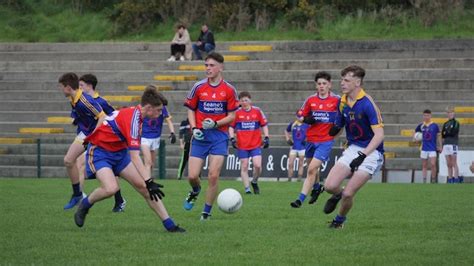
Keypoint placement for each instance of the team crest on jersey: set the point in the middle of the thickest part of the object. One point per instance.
(223, 94)
(320, 106)
(351, 115)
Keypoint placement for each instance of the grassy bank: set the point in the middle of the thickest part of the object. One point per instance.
(46, 24)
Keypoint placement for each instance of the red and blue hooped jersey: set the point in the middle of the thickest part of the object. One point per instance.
(85, 112)
(430, 133)
(213, 102)
(324, 111)
(247, 125)
(119, 131)
(359, 118)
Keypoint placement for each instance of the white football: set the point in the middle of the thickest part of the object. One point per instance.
(229, 200)
(418, 136)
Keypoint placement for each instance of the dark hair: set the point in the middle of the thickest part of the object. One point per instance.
(89, 79)
(216, 56)
(181, 26)
(69, 79)
(427, 111)
(357, 71)
(322, 75)
(153, 97)
(244, 94)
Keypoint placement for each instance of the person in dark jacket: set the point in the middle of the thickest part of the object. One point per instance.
(204, 43)
(450, 137)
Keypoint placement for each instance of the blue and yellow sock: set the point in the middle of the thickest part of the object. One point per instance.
(86, 204)
(316, 186)
(196, 189)
(340, 219)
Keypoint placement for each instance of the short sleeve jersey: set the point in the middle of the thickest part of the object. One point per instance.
(152, 128)
(359, 118)
(108, 109)
(298, 133)
(213, 102)
(247, 125)
(85, 112)
(324, 111)
(119, 131)
(430, 132)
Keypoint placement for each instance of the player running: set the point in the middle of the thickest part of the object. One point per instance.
(319, 112)
(247, 127)
(362, 120)
(295, 135)
(211, 104)
(86, 113)
(114, 149)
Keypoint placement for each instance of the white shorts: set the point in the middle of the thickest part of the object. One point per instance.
(450, 149)
(80, 138)
(153, 144)
(427, 154)
(297, 152)
(372, 163)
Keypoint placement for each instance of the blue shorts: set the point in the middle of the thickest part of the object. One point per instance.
(319, 150)
(97, 158)
(202, 148)
(244, 154)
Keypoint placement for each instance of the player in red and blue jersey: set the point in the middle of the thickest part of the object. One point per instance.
(151, 135)
(86, 113)
(114, 150)
(295, 135)
(363, 123)
(88, 84)
(319, 112)
(430, 145)
(246, 136)
(211, 104)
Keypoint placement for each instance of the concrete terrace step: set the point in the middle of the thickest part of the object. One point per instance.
(274, 85)
(232, 75)
(175, 96)
(368, 64)
(397, 45)
(290, 106)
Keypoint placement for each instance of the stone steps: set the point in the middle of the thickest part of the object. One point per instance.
(93, 65)
(236, 75)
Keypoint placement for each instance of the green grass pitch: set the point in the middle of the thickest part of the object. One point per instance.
(390, 224)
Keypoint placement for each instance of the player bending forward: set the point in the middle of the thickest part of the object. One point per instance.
(114, 149)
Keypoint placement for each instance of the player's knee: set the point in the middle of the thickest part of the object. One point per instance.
(257, 168)
(347, 194)
(331, 188)
(212, 180)
(111, 189)
(69, 162)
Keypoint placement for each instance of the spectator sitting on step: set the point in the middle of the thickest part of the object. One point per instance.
(181, 45)
(204, 43)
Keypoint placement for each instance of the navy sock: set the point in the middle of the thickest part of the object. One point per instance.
(86, 203)
(169, 224)
(76, 190)
(302, 197)
(340, 219)
(196, 189)
(316, 186)
(207, 208)
(118, 197)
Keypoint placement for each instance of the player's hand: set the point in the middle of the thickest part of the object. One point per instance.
(357, 161)
(198, 134)
(154, 189)
(172, 138)
(234, 142)
(309, 120)
(334, 130)
(208, 123)
(266, 142)
(290, 142)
